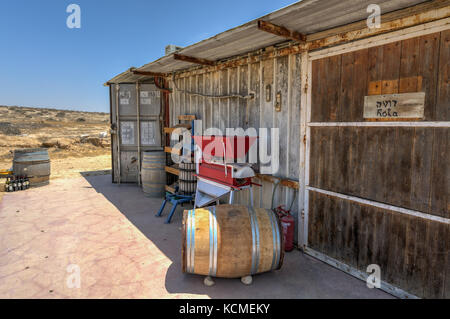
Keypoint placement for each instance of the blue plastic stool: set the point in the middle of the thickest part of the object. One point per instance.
(175, 200)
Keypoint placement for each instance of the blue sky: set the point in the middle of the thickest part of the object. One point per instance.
(45, 64)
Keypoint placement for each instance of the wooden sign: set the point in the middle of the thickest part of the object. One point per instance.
(394, 106)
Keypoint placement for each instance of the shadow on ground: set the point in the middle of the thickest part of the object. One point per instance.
(300, 277)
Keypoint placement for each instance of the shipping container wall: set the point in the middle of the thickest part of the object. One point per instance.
(266, 80)
(134, 132)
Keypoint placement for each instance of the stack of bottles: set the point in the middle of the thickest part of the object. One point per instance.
(16, 183)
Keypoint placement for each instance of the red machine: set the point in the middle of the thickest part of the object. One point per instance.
(288, 225)
(217, 172)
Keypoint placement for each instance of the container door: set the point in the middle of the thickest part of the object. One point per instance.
(138, 130)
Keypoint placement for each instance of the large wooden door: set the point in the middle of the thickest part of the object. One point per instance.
(378, 191)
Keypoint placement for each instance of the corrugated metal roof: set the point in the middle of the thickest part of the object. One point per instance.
(307, 17)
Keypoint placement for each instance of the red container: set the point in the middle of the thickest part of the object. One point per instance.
(217, 173)
(234, 147)
(287, 223)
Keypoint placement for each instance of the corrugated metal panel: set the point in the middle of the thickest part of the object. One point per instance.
(283, 74)
(307, 16)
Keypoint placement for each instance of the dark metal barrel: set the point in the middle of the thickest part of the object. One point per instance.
(33, 163)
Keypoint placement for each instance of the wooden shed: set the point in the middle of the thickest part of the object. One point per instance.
(363, 116)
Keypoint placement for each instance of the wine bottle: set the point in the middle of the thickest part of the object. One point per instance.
(14, 184)
(19, 183)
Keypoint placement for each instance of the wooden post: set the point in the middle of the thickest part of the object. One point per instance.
(138, 115)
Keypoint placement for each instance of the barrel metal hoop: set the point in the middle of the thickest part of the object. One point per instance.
(212, 242)
(193, 241)
(188, 242)
(277, 229)
(274, 238)
(255, 240)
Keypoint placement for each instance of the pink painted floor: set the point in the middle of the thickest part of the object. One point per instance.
(124, 251)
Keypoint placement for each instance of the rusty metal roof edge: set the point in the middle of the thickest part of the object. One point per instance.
(242, 27)
(251, 24)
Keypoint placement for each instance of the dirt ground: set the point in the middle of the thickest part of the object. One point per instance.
(76, 141)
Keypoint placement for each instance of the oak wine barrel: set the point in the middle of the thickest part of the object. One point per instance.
(33, 163)
(231, 241)
(153, 174)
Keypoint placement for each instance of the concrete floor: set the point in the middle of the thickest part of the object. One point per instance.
(124, 251)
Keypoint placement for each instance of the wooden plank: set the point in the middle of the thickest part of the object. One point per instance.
(412, 281)
(391, 68)
(208, 115)
(348, 80)
(380, 235)
(370, 160)
(170, 130)
(216, 118)
(312, 220)
(186, 117)
(409, 67)
(375, 71)
(318, 90)
(223, 104)
(254, 104)
(357, 138)
(421, 169)
(325, 231)
(243, 103)
(234, 107)
(360, 72)
(194, 60)
(172, 170)
(333, 79)
(331, 163)
(281, 118)
(294, 114)
(353, 235)
(428, 71)
(440, 189)
(283, 182)
(365, 234)
(281, 31)
(202, 100)
(437, 244)
(184, 107)
(443, 95)
(147, 73)
(341, 157)
(172, 150)
(170, 189)
(403, 154)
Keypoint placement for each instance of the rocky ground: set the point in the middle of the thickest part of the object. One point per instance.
(77, 141)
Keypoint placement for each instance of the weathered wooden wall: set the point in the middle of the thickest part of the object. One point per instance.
(406, 167)
(283, 74)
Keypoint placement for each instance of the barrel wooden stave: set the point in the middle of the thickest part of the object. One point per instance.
(187, 181)
(153, 174)
(33, 163)
(234, 242)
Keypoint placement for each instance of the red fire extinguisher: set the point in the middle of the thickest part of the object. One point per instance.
(288, 225)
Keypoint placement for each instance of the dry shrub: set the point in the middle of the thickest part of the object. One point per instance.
(9, 129)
